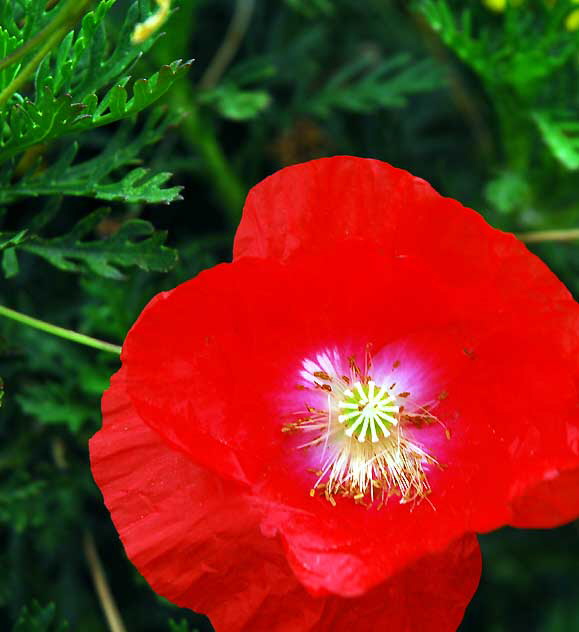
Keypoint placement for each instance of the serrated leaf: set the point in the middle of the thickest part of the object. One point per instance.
(134, 244)
(140, 185)
(145, 92)
(364, 86)
(92, 178)
(30, 123)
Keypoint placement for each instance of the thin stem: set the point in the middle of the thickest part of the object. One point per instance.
(95, 565)
(465, 103)
(536, 236)
(59, 331)
(106, 599)
(200, 134)
(51, 36)
(230, 45)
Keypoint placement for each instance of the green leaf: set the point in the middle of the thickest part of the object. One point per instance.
(235, 104)
(8, 44)
(8, 240)
(30, 123)
(39, 619)
(92, 178)
(134, 244)
(8, 244)
(10, 265)
(520, 51)
(561, 136)
(138, 186)
(118, 104)
(364, 86)
(51, 403)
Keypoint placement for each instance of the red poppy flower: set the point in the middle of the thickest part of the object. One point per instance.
(307, 438)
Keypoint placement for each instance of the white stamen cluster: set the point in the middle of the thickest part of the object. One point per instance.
(359, 433)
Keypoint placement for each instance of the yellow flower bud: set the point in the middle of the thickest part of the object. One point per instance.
(145, 29)
(496, 5)
(572, 20)
(500, 5)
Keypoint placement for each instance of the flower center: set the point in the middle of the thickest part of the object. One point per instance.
(358, 433)
(368, 408)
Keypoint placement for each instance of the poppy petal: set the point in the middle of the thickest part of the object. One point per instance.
(315, 205)
(196, 539)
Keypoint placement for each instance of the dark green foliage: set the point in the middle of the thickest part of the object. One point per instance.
(49, 117)
(365, 86)
(181, 626)
(104, 256)
(65, 101)
(92, 178)
(38, 619)
(483, 105)
(530, 44)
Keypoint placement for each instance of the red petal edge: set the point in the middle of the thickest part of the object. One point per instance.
(313, 206)
(196, 540)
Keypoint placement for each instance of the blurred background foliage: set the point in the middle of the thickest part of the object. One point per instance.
(479, 98)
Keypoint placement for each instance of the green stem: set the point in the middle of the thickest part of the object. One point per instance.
(51, 36)
(200, 134)
(515, 127)
(59, 331)
(197, 129)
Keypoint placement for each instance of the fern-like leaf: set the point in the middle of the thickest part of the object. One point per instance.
(363, 86)
(134, 244)
(93, 177)
(30, 123)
